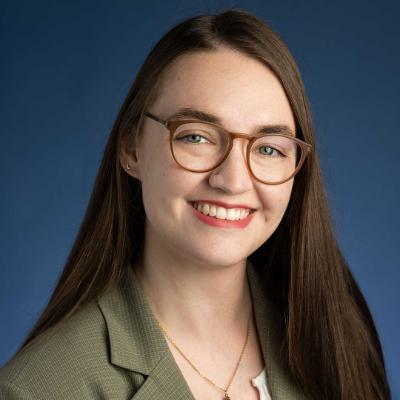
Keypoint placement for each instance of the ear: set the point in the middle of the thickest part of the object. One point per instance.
(128, 156)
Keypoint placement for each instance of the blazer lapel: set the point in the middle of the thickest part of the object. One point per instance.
(138, 345)
(165, 382)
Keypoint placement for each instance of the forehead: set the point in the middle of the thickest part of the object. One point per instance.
(240, 90)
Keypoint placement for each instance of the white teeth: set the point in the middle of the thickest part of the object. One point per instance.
(237, 215)
(221, 213)
(231, 214)
(213, 211)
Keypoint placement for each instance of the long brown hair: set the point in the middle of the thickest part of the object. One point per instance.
(330, 342)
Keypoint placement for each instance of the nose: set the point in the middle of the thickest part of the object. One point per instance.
(232, 176)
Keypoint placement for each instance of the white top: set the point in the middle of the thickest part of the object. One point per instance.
(260, 382)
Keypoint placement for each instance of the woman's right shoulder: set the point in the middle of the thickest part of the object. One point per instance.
(60, 360)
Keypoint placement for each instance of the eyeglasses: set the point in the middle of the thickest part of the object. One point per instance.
(199, 146)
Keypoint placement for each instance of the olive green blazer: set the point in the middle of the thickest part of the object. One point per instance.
(113, 349)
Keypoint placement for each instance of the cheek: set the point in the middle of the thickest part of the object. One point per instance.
(154, 166)
(165, 186)
(275, 199)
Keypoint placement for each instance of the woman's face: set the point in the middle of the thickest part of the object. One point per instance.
(243, 94)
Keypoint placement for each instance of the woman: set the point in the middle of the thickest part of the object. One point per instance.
(206, 266)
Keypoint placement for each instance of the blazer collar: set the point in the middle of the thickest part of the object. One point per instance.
(137, 343)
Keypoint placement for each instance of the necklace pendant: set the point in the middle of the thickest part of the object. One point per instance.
(226, 397)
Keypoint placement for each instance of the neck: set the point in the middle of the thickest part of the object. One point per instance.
(194, 299)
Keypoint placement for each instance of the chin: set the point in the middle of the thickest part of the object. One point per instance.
(217, 257)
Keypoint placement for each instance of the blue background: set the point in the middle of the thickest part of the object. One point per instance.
(66, 68)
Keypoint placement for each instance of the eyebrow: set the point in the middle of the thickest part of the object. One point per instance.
(188, 112)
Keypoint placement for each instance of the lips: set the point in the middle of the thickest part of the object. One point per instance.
(223, 204)
(217, 222)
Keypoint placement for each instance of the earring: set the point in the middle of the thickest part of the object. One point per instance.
(127, 166)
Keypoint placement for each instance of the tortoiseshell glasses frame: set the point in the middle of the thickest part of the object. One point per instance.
(172, 125)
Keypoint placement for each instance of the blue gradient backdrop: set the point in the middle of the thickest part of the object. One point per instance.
(65, 70)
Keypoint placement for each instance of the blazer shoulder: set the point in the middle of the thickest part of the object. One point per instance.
(54, 365)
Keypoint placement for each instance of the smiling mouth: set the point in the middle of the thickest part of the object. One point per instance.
(222, 213)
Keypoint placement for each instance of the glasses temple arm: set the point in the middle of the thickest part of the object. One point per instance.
(161, 121)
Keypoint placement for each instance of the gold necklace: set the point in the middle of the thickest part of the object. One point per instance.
(224, 390)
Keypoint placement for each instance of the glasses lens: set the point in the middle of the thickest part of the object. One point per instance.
(274, 158)
(199, 146)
